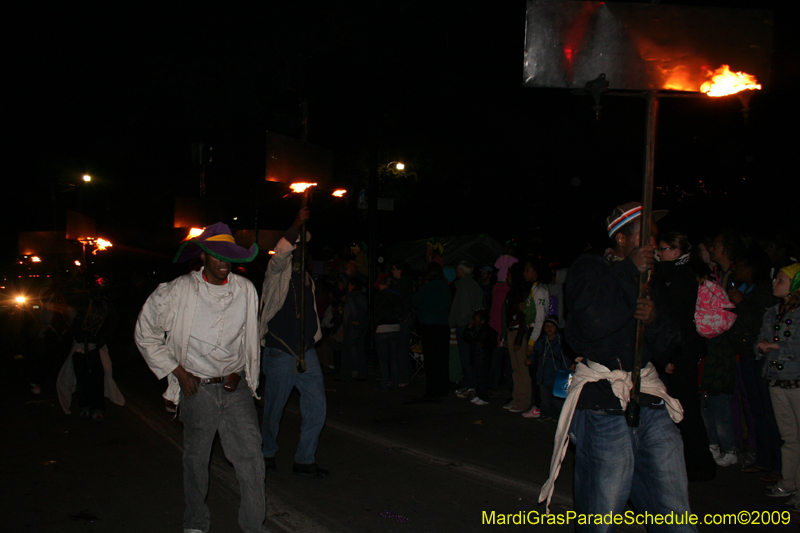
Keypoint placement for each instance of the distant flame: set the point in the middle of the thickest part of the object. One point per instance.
(101, 245)
(301, 187)
(724, 82)
(194, 232)
(339, 193)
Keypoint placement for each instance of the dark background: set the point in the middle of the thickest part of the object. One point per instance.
(122, 91)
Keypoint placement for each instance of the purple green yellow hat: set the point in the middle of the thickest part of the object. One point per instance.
(625, 213)
(793, 271)
(217, 241)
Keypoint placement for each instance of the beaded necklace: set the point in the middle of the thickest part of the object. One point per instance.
(788, 323)
(775, 364)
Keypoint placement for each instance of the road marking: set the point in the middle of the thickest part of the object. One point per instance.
(476, 472)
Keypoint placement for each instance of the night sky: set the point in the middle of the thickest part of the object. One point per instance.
(122, 92)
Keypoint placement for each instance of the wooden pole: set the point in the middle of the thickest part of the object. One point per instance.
(634, 406)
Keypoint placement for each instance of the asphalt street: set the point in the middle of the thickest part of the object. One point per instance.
(394, 466)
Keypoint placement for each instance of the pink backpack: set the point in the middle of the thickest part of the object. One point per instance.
(712, 315)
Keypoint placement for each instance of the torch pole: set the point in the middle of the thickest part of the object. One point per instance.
(301, 363)
(634, 406)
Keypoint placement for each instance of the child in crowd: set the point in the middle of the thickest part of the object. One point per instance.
(779, 343)
(482, 339)
(538, 274)
(548, 358)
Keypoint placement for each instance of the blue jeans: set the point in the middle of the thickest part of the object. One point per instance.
(387, 345)
(718, 419)
(614, 463)
(280, 370)
(233, 414)
(550, 406)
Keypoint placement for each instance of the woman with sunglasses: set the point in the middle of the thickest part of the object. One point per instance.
(780, 343)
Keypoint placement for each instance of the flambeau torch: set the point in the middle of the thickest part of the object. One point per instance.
(721, 82)
(305, 189)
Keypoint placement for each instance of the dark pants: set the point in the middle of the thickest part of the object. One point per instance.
(436, 352)
(768, 439)
(700, 465)
(89, 374)
(500, 373)
(354, 355)
(481, 366)
(388, 358)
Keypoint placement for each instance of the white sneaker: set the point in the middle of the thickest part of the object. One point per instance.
(509, 405)
(533, 413)
(715, 453)
(478, 401)
(462, 393)
(727, 458)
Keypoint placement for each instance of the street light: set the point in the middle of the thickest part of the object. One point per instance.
(87, 178)
(395, 166)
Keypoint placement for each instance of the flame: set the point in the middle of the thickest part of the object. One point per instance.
(724, 82)
(678, 79)
(339, 193)
(194, 232)
(101, 244)
(301, 187)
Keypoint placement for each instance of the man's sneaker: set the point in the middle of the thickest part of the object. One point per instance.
(533, 413)
(478, 401)
(466, 392)
(509, 405)
(776, 491)
(543, 418)
(516, 410)
(715, 453)
(727, 458)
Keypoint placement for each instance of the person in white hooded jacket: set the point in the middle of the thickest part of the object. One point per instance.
(201, 331)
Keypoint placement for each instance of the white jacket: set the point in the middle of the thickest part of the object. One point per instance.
(276, 287)
(165, 324)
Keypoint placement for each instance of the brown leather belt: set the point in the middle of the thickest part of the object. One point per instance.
(209, 381)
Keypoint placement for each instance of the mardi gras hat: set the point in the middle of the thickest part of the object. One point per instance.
(793, 271)
(217, 241)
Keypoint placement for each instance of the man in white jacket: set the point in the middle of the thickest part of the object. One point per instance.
(201, 332)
